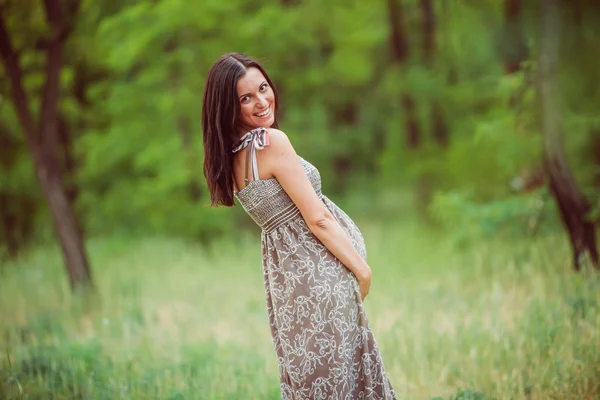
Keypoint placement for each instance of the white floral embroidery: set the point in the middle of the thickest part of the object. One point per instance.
(321, 334)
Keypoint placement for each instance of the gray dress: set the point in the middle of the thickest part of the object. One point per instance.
(320, 331)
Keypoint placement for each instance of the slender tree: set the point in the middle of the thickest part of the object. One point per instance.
(571, 204)
(515, 49)
(400, 55)
(42, 136)
(194, 187)
(428, 29)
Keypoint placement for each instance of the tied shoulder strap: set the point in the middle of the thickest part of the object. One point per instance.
(257, 139)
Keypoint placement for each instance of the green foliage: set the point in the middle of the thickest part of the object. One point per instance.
(134, 74)
(512, 217)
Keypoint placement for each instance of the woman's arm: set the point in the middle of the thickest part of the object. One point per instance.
(282, 161)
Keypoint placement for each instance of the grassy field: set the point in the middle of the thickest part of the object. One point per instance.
(177, 321)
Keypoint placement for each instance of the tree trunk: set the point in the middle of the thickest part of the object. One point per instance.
(438, 121)
(572, 206)
(194, 186)
(400, 54)
(428, 31)
(398, 40)
(68, 163)
(515, 49)
(42, 140)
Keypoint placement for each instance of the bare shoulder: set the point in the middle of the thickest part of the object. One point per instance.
(278, 154)
(280, 144)
(278, 138)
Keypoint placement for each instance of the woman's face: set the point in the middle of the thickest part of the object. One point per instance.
(257, 101)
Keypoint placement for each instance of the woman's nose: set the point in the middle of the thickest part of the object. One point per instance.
(262, 101)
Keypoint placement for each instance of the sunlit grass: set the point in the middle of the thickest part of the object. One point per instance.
(173, 320)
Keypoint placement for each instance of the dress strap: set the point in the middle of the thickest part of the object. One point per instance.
(256, 139)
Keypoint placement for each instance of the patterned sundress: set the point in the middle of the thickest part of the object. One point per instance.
(324, 346)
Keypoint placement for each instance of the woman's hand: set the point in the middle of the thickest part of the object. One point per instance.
(364, 283)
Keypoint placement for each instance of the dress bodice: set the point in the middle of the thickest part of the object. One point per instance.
(267, 202)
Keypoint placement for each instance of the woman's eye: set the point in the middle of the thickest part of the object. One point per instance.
(263, 87)
(245, 99)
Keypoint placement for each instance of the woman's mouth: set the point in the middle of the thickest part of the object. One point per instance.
(264, 113)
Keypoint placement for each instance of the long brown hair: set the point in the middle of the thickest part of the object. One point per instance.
(220, 110)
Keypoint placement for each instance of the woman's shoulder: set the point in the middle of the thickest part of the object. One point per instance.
(276, 134)
(278, 138)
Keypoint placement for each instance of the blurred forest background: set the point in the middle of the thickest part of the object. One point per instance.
(456, 131)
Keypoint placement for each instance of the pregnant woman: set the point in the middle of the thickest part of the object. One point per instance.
(314, 258)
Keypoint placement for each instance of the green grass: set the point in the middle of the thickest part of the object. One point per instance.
(175, 321)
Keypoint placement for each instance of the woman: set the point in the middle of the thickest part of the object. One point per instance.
(314, 258)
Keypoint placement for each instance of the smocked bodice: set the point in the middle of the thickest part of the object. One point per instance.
(268, 204)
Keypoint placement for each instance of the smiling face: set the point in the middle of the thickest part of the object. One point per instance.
(257, 101)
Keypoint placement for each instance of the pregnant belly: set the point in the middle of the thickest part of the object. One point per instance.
(348, 225)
